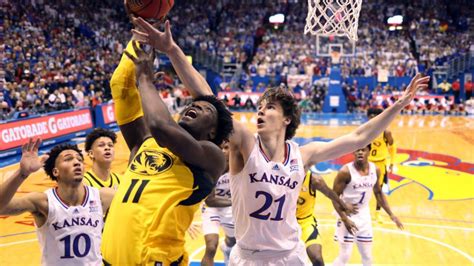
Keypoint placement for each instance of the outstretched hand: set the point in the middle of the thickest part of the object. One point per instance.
(143, 61)
(417, 83)
(397, 222)
(30, 161)
(145, 33)
(194, 230)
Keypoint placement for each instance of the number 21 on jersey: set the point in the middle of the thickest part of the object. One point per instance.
(260, 213)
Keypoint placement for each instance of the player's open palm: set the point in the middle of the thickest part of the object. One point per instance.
(397, 222)
(30, 161)
(143, 61)
(417, 83)
(147, 34)
(194, 230)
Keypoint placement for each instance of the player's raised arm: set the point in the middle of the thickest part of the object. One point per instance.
(30, 163)
(128, 108)
(164, 128)
(163, 41)
(321, 151)
(241, 139)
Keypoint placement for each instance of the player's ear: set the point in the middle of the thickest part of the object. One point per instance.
(212, 134)
(55, 172)
(287, 120)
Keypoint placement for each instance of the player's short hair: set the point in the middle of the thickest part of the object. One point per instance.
(97, 133)
(225, 124)
(289, 105)
(49, 164)
(369, 146)
(374, 111)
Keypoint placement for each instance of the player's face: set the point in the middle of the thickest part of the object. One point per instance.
(102, 150)
(362, 155)
(199, 118)
(225, 148)
(69, 167)
(270, 118)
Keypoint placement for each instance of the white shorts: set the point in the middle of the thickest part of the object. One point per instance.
(363, 235)
(212, 218)
(294, 257)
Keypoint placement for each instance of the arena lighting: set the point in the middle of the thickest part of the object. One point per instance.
(277, 18)
(395, 20)
(394, 28)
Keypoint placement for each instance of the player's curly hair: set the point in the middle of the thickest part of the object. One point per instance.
(374, 111)
(369, 146)
(49, 164)
(289, 105)
(97, 133)
(225, 125)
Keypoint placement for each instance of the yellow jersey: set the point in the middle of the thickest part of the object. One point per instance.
(306, 199)
(91, 179)
(153, 207)
(379, 149)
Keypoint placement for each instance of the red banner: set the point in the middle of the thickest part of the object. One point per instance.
(254, 96)
(108, 113)
(14, 134)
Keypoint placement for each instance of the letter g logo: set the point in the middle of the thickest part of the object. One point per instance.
(52, 125)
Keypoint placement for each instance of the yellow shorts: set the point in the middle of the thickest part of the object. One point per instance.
(309, 231)
(182, 261)
(382, 166)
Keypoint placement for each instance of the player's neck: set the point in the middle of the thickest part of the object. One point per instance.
(361, 166)
(71, 195)
(102, 171)
(273, 146)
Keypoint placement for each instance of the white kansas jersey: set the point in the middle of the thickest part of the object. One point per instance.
(223, 187)
(71, 235)
(264, 197)
(360, 189)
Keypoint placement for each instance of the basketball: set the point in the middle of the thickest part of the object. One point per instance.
(150, 8)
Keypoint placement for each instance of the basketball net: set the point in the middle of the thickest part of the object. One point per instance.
(333, 17)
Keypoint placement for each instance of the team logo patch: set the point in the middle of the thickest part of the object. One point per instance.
(275, 167)
(76, 211)
(151, 162)
(93, 206)
(294, 165)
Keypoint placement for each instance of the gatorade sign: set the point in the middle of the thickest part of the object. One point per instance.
(14, 134)
(108, 113)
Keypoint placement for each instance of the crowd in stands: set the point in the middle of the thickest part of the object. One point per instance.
(60, 54)
(430, 38)
(57, 55)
